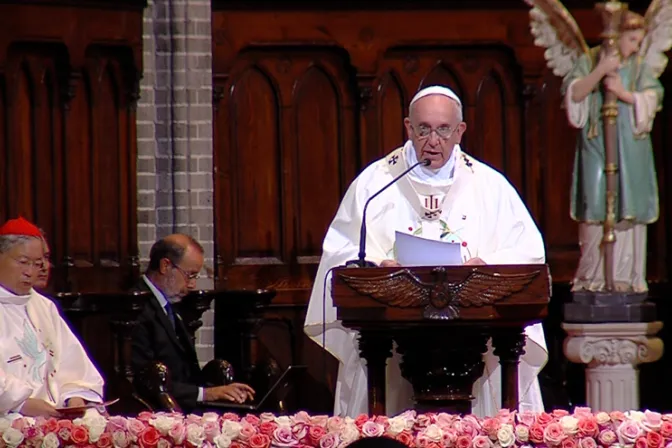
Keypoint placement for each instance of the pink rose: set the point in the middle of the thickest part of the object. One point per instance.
(617, 416)
(463, 442)
(259, 441)
(116, 423)
(544, 419)
(554, 434)
(587, 442)
(360, 420)
(569, 442)
(145, 416)
(193, 419)
(300, 431)
(247, 430)
(470, 429)
(330, 440)
(230, 416)
(19, 424)
(65, 424)
(526, 418)
(490, 427)
(64, 434)
(283, 437)
(404, 437)
(559, 413)
(319, 420)
(652, 420)
(252, 419)
(481, 442)
(666, 429)
(267, 428)
(51, 425)
(211, 430)
(266, 417)
(654, 440)
(628, 431)
(104, 441)
(505, 416)
(79, 435)
(315, 434)
(450, 437)
(536, 433)
(177, 433)
(421, 422)
(301, 417)
(382, 420)
(607, 437)
(640, 442)
(32, 432)
(582, 412)
(335, 424)
(372, 429)
(444, 419)
(588, 427)
(149, 438)
(135, 426)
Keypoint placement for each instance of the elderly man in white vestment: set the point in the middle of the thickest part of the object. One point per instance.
(455, 199)
(43, 365)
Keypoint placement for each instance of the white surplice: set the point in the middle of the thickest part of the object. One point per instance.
(39, 356)
(466, 202)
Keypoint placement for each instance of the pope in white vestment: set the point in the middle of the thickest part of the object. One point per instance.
(455, 199)
(40, 357)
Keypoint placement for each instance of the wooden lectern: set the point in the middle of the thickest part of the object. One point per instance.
(441, 319)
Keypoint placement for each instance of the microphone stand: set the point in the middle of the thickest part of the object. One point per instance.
(361, 260)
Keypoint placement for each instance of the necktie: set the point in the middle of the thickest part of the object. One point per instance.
(171, 314)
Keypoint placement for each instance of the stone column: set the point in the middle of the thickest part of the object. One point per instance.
(175, 153)
(612, 353)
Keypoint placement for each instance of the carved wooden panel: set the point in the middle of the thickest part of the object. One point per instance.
(67, 135)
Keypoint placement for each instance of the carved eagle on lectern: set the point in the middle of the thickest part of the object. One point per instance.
(441, 298)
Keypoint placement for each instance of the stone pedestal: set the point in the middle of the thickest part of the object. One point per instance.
(612, 353)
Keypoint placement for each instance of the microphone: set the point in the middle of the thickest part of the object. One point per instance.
(361, 261)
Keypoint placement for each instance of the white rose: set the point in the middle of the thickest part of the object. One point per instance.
(636, 416)
(4, 424)
(522, 433)
(505, 436)
(95, 432)
(195, 434)
(119, 439)
(222, 441)
(162, 423)
(602, 418)
(209, 417)
(231, 429)
(349, 434)
(12, 437)
(434, 433)
(163, 443)
(569, 424)
(50, 441)
(283, 421)
(397, 425)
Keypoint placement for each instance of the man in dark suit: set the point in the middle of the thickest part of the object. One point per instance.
(160, 334)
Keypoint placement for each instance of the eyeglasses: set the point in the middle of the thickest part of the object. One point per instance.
(187, 275)
(443, 132)
(30, 264)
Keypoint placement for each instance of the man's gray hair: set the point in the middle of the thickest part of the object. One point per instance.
(7, 242)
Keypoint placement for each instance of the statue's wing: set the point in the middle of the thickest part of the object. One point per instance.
(400, 289)
(554, 29)
(481, 288)
(658, 38)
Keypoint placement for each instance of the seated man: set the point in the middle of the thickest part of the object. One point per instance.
(160, 335)
(43, 365)
(455, 198)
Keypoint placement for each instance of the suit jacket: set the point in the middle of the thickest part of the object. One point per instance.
(154, 339)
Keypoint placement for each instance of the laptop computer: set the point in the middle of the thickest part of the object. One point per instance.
(277, 393)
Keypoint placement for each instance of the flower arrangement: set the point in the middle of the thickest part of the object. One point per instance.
(581, 429)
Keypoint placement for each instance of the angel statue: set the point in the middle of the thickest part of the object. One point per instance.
(631, 75)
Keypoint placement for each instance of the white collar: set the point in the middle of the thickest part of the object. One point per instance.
(10, 298)
(443, 176)
(157, 293)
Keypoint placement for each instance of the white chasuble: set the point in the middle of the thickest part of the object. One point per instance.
(472, 205)
(39, 356)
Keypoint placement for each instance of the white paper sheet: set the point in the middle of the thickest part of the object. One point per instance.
(416, 251)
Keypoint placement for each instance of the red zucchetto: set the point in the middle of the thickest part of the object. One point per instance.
(20, 226)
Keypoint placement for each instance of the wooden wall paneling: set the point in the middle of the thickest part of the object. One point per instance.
(4, 150)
